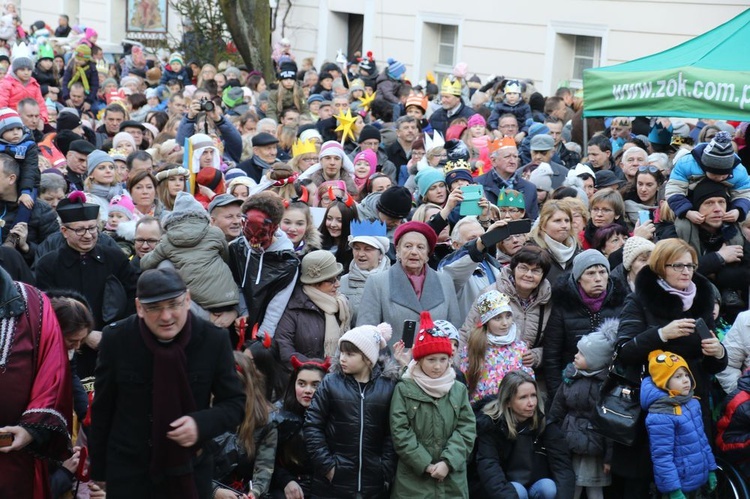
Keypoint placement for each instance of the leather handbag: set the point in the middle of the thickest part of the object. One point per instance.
(618, 408)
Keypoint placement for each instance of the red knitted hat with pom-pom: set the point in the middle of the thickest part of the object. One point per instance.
(429, 340)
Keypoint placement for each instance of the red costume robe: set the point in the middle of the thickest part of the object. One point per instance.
(36, 388)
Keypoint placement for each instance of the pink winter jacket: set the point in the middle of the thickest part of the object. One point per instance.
(12, 91)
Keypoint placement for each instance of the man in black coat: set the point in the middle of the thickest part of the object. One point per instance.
(264, 156)
(100, 273)
(165, 386)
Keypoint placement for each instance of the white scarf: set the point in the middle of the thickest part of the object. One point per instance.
(331, 305)
(434, 387)
(509, 338)
(560, 252)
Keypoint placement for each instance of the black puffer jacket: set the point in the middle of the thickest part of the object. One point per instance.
(573, 407)
(501, 460)
(347, 427)
(570, 320)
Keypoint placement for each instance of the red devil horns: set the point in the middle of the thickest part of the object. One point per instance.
(267, 340)
(298, 364)
(349, 201)
(331, 195)
(305, 196)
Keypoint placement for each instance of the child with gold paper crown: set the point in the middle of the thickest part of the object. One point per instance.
(682, 458)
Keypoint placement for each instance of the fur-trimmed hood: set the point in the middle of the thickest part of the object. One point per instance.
(386, 367)
(660, 303)
(126, 230)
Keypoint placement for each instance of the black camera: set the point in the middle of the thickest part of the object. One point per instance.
(207, 105)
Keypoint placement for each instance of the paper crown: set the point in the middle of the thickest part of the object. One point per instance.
(416, 100)
(436, 140)
(451, 86)
(460, 164)
(513, 86)
(303, 147)
(46, 51)
(102, 67)
(367, 228)
(500, 144)
(510, 199)
(492, 304)
(21, 50)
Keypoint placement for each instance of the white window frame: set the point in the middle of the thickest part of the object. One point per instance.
(555, 28)
(423, 18)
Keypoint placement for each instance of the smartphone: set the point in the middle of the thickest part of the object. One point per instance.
(644, 216)
(702, 329)
(496, 235)
(407, 333)
(470, 204)
(6, 439)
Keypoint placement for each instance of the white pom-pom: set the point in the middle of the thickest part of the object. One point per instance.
(386, 331)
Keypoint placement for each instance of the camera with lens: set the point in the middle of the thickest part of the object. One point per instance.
(207, 105)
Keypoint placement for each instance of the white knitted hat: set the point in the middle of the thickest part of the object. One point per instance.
(369, 339)
(634, 246)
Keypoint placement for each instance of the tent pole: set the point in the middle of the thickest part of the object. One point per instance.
(585, 137)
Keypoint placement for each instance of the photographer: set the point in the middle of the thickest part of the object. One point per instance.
(204, 115)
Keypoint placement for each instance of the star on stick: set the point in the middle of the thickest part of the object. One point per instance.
(367, 101)
(346, 122)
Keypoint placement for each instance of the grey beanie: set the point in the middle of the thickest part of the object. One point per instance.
(21, 63)
(587, 259)
(718, 156)
(96, 158)
(597, 347)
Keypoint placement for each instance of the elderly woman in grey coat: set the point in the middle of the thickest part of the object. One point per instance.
(369, 259)
(410, 286)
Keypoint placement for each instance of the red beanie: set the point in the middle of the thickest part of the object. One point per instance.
(211, 178)
(427, 341)
(420, 227)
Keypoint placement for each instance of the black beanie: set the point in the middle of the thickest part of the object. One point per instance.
(708, 189)
(395, 202)
(369, 132)
(63, 140)
(67, 121)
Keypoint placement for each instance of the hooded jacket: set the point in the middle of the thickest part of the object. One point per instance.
(12, 91)
(680, 451)
(733, 429)
(571, 320)
(194, 247)
(347, 428)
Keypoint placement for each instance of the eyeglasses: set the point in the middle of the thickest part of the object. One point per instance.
(83, 230)
(681, 267)
(648, 169)
(603, 211)
(509, 211)
(333, 280)
(523, 269)
(169, 307)
(149, 242)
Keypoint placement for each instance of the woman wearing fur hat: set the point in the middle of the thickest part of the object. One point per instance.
(19, 85)
(347, 430)
(574, 408)
(661, 314)
(171, 180)
(432, 423)
(317, 314)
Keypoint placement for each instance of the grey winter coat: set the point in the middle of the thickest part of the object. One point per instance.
(353, 284)
(199, 252)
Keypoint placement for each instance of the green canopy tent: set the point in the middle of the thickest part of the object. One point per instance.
(708, 76)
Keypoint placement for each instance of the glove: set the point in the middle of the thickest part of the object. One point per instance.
(711, 481)
(676, 494)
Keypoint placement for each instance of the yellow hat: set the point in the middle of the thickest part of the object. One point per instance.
(662, 366)
(451, 86)
(303, 147)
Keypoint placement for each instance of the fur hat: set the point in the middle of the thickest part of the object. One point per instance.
(663, 365)
(318, 266)
(597, 347)
(369, 339)
(491, 304)
(430, 340)
(718, 155)
(634, 247)
(587, 259)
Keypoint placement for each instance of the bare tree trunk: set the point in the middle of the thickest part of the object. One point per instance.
(249, 22)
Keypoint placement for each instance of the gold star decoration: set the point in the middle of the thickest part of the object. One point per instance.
(367, 101)
(346, 122)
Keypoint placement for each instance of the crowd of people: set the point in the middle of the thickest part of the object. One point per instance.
(342, 283)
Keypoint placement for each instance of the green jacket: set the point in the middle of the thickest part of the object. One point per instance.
(425, 431)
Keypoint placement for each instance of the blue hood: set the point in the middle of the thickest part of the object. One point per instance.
(650, 393)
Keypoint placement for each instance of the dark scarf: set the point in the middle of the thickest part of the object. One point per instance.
(172, 398)
(593, 304)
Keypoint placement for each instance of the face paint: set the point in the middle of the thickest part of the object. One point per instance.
(258, 229)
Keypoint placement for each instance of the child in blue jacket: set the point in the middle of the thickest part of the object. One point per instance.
(175, 70)
(716, 161)
(682, 458)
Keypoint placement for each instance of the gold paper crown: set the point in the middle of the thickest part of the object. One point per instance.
(461, 164)
(491, 304)
(307, 147)
(451, 86)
